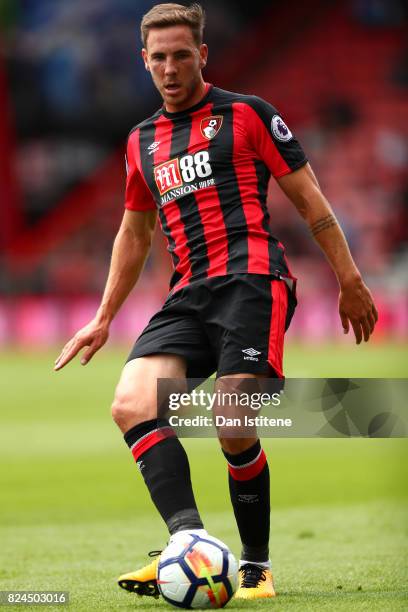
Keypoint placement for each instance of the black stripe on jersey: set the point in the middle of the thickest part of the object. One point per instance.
(189, 212)
(142, 124)
(276, 260)
(176, 276)
(146, 137)
(291, 150)
(230, 197)
(263, 176)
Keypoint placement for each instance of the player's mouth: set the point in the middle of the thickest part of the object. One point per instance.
(172, 88)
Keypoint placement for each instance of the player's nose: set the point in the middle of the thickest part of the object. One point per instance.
(170, 67)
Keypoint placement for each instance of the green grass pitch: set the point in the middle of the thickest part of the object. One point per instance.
(74, 512)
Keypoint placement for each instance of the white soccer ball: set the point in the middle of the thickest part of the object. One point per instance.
(197, 572)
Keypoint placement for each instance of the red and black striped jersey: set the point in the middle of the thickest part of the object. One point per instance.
(206, 171)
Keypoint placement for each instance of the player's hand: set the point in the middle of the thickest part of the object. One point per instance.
(94, 335)
(356, 306)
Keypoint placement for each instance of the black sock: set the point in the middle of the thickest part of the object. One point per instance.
(249, 491)
(164, 466)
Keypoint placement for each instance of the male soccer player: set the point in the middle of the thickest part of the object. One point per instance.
(202, 164)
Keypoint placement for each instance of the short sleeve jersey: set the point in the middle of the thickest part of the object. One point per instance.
(206, 171)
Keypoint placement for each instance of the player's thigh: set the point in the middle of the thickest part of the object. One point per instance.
(253, 318)
(136, 393)
(235, 439)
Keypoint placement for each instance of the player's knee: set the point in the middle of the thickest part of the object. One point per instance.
(128, 411)
(234, 446)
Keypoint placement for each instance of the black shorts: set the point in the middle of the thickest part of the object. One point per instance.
(227, 324)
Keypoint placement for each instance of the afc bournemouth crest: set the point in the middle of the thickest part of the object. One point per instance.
(210, 126)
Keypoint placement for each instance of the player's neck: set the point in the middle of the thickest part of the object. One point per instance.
(198, 95)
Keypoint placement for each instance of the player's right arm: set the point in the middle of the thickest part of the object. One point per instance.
(130, 250)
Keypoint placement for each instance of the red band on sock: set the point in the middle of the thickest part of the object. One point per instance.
(150, 439)
(250, 470)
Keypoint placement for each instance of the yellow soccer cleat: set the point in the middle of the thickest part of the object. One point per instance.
(144, 580)
(255, 582)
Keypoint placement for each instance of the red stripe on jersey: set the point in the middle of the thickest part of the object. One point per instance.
(150, 440)
(264, 145)
(171, 210)
(277, 327)
(251, 470)
(258, 245)
(208, 204)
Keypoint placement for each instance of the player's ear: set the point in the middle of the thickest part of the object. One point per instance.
(145, 59)
(203, 55)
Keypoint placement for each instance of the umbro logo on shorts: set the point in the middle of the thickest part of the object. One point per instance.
(250, 353)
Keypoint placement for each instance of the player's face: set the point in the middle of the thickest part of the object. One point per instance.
(175, 62)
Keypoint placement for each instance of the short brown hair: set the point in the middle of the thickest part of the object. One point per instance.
(166, 15)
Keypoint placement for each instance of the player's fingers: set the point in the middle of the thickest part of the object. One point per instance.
(357, 330)
(64, 350)
(65, 359)
(371, 321)
(375, 313)
(344, 322)
(90, 352)
(366, 328)
(69, 354)
(68, 347)
(94, 346)
(58, 358)
(61, 356)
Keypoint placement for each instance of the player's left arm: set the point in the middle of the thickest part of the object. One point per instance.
(356, 304)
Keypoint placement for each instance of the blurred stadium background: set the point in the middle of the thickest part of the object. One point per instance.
(72, 85)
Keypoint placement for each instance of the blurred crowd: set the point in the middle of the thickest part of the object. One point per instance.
(75, 85)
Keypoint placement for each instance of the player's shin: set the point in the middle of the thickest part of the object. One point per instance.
(164, 466)
(250, 496)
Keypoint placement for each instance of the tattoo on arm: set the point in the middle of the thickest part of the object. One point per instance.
(323, 224)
